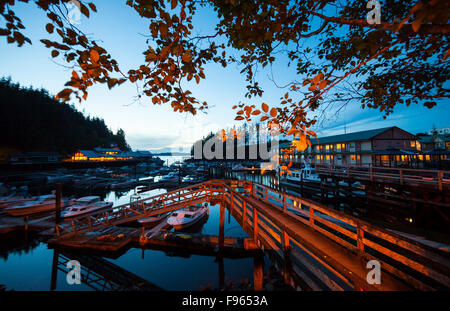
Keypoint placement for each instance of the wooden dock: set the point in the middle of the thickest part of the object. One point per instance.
(316, 247)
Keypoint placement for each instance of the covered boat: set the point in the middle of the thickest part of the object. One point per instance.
(85, 205)
(43, 203)
(187, 217)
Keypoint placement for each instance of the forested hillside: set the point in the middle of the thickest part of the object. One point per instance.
(32, 120)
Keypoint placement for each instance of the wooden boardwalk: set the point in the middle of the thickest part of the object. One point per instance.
(317, 247)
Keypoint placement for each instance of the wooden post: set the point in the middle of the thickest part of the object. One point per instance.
(284, 204)
(244, 214)
(26, 223)
(401, 176)
(359, 238)
(54, 270)
(255, 224)
(258, 264)
(440, 176)
(371, 174)
(311, 215)
(58, 204)
(287, 267)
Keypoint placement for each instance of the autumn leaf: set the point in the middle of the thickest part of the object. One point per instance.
(264, 118)
(49, 28)
(55, 53)
(94, 56)
(273, 112)
(322, 84)
(174, 4)
(238, 118)
(256, 112)
(264, 107)
(93, 7)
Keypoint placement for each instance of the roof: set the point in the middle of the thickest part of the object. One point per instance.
(91, 153)
(355, 136)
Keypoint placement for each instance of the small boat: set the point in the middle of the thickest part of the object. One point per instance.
(10, 200)
(171, 177)
(85, 205)
(188, 216)
(152, 220)
(306, 173)
(43, 203)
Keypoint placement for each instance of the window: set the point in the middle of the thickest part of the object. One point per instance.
(327, 147)
(412, 144)
(338, 146)
(352, 157)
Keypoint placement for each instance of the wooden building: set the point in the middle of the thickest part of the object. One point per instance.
(389, 146)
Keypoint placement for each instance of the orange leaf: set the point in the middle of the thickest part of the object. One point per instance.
(256, 112)
(273, 112)
(94, 56)
(264, 118)
(265, 108)
(238, 118)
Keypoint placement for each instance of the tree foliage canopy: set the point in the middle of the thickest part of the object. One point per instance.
(338, 55)
(36, 122)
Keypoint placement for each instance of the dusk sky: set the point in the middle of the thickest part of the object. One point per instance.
(119, 29)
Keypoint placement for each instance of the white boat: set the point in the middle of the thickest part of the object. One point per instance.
(43, 203)
(85, 205)
(171, 177)
(187, 217)
(7, 201)
(152, 220)
(306, 173)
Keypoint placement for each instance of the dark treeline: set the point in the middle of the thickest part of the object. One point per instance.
(32, 120)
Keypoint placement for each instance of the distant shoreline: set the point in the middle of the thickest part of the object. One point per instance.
(172, 154)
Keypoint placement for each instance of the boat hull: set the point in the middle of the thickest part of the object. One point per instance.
(179, 226)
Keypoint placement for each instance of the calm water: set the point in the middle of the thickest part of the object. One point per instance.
(26, 262)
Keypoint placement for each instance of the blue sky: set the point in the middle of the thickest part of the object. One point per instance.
(153, 127)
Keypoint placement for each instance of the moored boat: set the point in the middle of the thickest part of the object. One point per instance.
(152, 220)
(43, 203)
(84, 206)
(187, 217)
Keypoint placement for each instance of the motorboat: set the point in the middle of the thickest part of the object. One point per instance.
(85, 205)
(152, 220)
(193, 179)
(171, 177)
(43, 203)
(306, 173)
(14, 199)
(187, 217)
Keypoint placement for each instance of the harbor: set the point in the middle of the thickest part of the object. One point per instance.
(260, 226)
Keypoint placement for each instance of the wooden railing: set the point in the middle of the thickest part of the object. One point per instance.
(418, 265)
(435, 178)
(397, 254)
